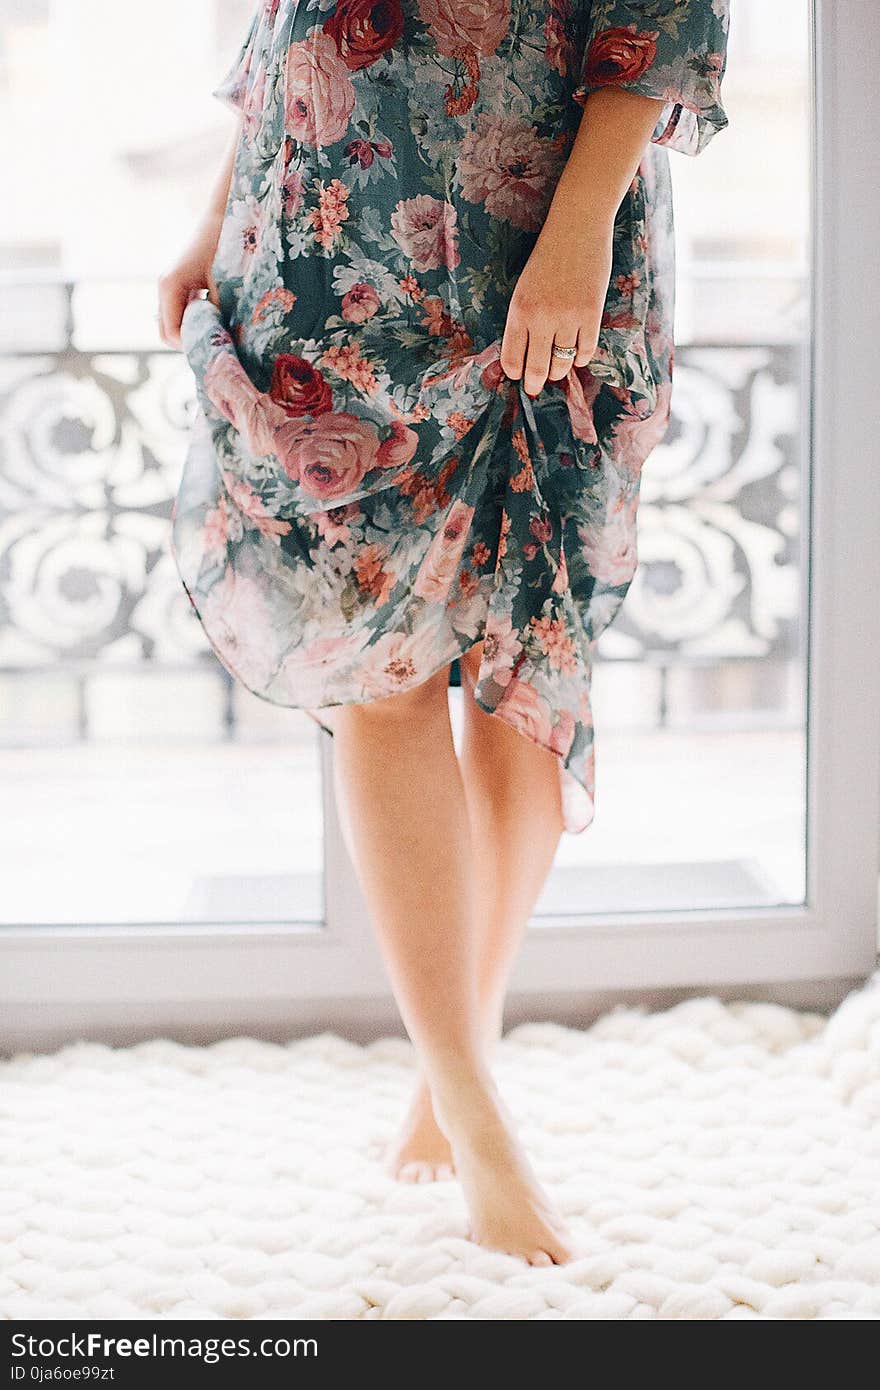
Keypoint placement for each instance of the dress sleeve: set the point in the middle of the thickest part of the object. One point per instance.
(675, 50)
(235, 86)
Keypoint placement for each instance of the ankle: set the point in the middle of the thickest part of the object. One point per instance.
(465, 1104)
(460, 1082)
(464, 1071)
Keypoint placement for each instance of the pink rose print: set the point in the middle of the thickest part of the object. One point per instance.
(443, 555)
(501, 647)
(562, 733)
(505, 164)
(459, 24)
(230, 389)
(333, 524)
(252, 107)
(635, 437)
(328, 455)
(581, 389)
(215, 530)
(360, 303)
(555, 643)
(320, 94)
(250, 505)
(307, 668)
(425, 230)
(399, 447)
(585, 710)
(367, 491)
(527, 711)
(239, 620)
(396, 662)
(610, 546)
(294, 190)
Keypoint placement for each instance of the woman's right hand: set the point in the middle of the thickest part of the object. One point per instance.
(186, 279)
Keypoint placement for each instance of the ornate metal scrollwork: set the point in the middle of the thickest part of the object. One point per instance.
(93, 443)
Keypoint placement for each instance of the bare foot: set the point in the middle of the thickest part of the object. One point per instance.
(421, 1152)
(508, 1209)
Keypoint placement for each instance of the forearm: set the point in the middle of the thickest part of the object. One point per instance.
(615, 129)
(192, 272)
(560, 294)
(220, 187)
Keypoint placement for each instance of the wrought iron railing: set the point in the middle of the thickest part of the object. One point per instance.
(93, 443)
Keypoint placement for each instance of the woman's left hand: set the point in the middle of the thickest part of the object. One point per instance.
(558, 300)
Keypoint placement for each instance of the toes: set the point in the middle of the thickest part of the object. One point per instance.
(539, 1257)
(420, 1170)
(561, 1253)
(409, 1172)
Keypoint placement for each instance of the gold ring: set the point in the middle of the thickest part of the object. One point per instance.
(566, 352)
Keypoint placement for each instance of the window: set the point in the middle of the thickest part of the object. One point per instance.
(171, 849)
(700, 687)
(160, 791)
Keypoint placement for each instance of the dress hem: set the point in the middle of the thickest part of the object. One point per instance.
(573, 825)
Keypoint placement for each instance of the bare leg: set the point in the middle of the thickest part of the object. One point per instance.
(515, 812)
(406, 819)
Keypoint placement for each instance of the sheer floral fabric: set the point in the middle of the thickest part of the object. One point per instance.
(366, 495)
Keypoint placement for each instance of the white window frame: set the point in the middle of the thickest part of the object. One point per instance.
(113, 982)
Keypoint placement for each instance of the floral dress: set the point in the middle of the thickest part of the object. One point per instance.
(366, 495)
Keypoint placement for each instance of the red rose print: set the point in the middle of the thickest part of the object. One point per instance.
(366, 489)
(620, 55)
(364, 29)
(461, 24)
(360, 152)
(363, 152)
(298, 387)
(541, 528)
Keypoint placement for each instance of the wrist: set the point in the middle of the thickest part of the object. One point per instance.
(583, 223)
(579, 201)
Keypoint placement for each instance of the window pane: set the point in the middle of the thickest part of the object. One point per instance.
(700, 682)
(139, 783)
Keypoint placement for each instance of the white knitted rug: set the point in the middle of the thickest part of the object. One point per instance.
(715, 1161)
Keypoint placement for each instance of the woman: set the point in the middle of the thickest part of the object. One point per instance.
(435, 353)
